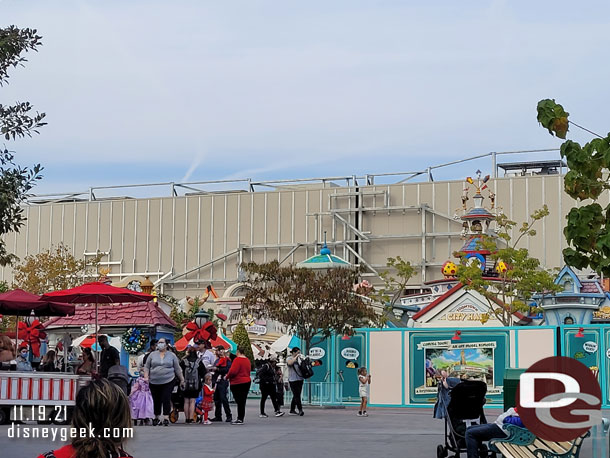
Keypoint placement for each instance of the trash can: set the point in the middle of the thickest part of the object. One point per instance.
(511, 382)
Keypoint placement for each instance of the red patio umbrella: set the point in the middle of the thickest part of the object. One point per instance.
(21, 303)
(96, 293)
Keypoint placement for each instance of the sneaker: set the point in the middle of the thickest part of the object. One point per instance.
(237, 422)
(166, 422)
(207, 422)
(301, 413)
(156, 422)
(279, 414)
(292, 413)
(364, 414)
(214, 420)
(359, 413)
(229, 420)
(263, 415)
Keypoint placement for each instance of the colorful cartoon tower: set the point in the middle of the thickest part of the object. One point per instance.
(477, 221)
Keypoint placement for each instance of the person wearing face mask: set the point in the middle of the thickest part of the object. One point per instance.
(163, 368)
(194, 371)
(23, 364)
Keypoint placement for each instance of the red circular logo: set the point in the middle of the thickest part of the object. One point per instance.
(559, 399)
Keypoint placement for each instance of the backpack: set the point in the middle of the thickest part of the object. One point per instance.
(191, 375)
(264, 374)
(305, 368)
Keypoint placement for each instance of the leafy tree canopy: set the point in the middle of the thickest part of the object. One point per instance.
(16, 121)
(54, 269)
(518, 281)
(588, 226)
(310, 303)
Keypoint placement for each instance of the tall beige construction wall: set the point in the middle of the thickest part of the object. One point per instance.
(171, 237)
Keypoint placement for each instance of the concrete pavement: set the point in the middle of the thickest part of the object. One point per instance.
(387, 433)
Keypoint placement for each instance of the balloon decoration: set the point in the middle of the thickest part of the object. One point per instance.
(199, 334)
(501, 267)
(134, 340)
(449, 269)
(32, 335)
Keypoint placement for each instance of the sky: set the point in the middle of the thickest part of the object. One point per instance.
(151, 91)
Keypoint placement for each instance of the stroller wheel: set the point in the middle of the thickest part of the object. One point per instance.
(441, 451)
(173, 415)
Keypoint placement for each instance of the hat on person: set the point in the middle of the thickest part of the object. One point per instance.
(295, 350)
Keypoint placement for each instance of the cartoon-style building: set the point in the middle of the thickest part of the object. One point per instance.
(581, 297)
(448, 303)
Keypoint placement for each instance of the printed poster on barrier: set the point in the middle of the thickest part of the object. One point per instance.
(482, 360)
(472, 361)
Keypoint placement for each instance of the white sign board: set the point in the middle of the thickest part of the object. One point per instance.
(590, 347)
(316, 353)
(350, 353)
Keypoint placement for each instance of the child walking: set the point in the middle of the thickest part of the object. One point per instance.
(364, 381)
(141, 401)
(208, 398)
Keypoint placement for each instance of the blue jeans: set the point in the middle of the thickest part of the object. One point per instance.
(477, 434)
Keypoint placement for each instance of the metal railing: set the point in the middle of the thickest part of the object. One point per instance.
(314, 393)
(173, 189)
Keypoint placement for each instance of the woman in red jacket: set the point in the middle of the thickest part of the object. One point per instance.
(239, 377)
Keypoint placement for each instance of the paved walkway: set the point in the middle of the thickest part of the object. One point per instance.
(388, 433)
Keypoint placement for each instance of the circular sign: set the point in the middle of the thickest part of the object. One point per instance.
(316, 353)
(350, 353)
(559, 399)
(590, 347)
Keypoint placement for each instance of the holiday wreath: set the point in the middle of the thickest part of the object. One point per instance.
(134, 340)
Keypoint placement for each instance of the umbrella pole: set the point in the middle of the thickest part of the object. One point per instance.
(16, 335)
(97, 348)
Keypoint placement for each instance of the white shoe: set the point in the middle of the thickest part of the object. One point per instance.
(207, 422)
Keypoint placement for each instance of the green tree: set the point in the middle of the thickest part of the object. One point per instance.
(395, 281)
(241, 338)
(521, 278)
(588, 226)
(309, 303)
(16, 121)
(54, 269)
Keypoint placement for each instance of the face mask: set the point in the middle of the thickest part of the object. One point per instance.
(161, 346)
(24, 354)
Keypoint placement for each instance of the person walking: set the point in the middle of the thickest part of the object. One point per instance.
(221, 386)
(295, 380)
(279, 384)
(194, 371)
(364, 383)
(239, 378)
(163, 368)
(108, 357)
(267, 378)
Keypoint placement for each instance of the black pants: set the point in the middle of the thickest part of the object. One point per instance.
(296, 388)
(220, 399)
(162, 396)
(240, 394)
(268, 390)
